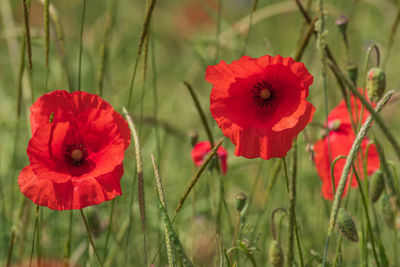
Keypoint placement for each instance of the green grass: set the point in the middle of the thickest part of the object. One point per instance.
(181, 51)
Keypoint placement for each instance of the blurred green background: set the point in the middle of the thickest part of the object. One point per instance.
(182, 44)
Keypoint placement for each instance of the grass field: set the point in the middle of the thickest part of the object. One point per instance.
(144, 56)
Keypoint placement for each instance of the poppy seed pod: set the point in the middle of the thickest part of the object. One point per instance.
(276, 254)
(377, 185)
(376, 84)
(347, 226)
(240, 201)
(342, 22)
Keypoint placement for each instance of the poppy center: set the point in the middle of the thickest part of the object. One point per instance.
(76, 154)
(265, 93)
(262, 93)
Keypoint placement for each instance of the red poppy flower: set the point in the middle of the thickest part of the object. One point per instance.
(341, 138)
(76, 151)
(260, 104)
(200, 150)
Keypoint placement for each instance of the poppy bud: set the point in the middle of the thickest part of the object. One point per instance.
(334, 125)
(341, 22)
(387, 211)
(194, 137)
(347, 226)
(352, 72)
(276, 254)
(240, 201)
(376, 84)
(377, 185)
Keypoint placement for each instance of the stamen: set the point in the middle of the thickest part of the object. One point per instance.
(263, 93)
(76, 154)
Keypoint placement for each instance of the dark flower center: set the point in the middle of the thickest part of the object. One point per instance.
(76, 154)
(262, 93)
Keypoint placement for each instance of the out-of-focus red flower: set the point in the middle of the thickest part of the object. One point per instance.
(260, 104)
(76, 151)
(194, 15)
(341, 138)
(201, 149)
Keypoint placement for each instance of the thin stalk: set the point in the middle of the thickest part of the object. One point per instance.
(155, 98)
(139, 168)
(67, 247)
(347, 167)
(59, 41)
(254, 186)
(81, 45)
(218, 31)
(143, 34)
(386, 131)
(14, 230)
(305, 41)
(197, 175)
(200, 111)
(46, 26)
(235, 234)
(270, 185)
(90, 236)
(364, 75)
(246, 41)
(337, 250)
(26, 4)
(35, 228)
(392, 34)
(104, 46)
(369, 225)
(160, 192)
(333, 173)
(39, 238)
(292, 206)
(109, 228)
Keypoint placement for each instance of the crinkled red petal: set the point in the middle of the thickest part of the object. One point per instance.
(266, 131)
(66, 106)
(68, 195)
(201, 149)
(340, 145)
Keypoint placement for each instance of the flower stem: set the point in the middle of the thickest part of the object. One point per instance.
(35, 229)
(81, 45)
(90, 238)
(200, 111)
(392, 35)
(377, 117)
(104, 46)
(246, 41)
(369, 226)
(143, 34)
(347, 167)
(139, 168)
(67, 247)
(14, 229)
(109, 227)
(292, 206)
(197, 176)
